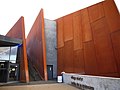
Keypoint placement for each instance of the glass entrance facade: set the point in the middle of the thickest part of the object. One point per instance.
(9, 67)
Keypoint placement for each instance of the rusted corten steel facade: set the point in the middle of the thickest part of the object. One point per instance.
(18, 31)
(36, 46)
(89, 41)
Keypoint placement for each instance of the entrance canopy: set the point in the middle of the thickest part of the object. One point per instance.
(8, 41)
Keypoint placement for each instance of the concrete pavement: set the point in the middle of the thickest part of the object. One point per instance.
(57, 86)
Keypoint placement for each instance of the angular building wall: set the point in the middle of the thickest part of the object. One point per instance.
(36, 46)
(51, 40)
(88, 40)
(18, 32)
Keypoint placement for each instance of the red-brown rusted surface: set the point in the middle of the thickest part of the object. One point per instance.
(78, 62)
(68, 56)
(60, 60)
(91, 41)
(116, 46)
(77, 31)
(36, 46)
(103, 46)
(110, 74)
(91, 65)
(96, 12)
(18, 31)
(60, 38)
(86, 28)
(68, 27)
(112, 15)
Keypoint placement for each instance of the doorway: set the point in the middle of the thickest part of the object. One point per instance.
(4, 71)
(50, 72)
(9, 65)
(14, 72)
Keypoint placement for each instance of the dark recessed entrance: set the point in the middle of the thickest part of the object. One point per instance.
(4, 71)
(9, 65)
(14, 72)
(50, 72)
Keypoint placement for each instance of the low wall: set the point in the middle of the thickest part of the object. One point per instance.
(92, 82)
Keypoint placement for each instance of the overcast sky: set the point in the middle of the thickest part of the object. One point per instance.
(12, 10)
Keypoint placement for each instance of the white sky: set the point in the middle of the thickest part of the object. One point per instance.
(12, 10)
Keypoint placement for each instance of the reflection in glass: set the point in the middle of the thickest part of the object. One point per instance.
(8, 53)
(4, 53)
(13, 54)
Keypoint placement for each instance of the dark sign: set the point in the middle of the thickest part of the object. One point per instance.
(80, 86)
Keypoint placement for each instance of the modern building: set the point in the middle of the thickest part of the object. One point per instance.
(13, 56)
(88, 41)
(85, 42)
(9, 63)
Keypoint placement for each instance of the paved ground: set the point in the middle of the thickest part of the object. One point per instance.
(17, 83)
(56, 86)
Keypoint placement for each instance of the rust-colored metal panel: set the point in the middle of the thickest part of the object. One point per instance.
(18, 31)
(96, 12)
(116, 46)
(112, 15)
(36, 46)
(91, 65)
(68, 56)
(44, 46)
(68, 27)
(86, 28)
(60, 60)
(78, 61)
(77, 30)
(97, 57)
(60, 38)
(110, 75)
(103, 46)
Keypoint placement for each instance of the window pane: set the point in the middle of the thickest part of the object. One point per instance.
(4, 53)
(13, 54)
